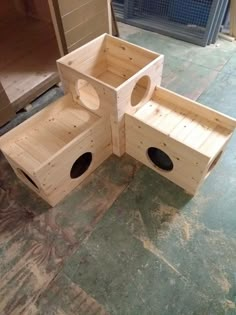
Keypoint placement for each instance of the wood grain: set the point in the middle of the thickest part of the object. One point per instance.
(35, 243)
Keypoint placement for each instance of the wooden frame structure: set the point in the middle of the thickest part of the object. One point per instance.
(114, 104)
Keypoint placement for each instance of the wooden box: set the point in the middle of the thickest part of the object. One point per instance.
(119, 76)
(178, 138)
(57, 148)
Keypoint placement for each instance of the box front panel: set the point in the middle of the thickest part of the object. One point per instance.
(75, 162)
(167, 157)
(103, 96)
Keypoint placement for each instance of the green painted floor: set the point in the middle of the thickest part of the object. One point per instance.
(127, 241)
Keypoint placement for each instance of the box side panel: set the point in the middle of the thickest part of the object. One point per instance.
(118, 46)
(90, 50)
(35, 119)
(136, 91)
(84, 20)
(55, 175)
(188, 165)
(150, 76)
(27, 178)
(106, 95)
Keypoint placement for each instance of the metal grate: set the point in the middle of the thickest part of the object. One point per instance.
(196, 21)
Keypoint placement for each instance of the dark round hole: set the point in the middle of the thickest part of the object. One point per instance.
(81, 165)
(160, 159)
(28, 178)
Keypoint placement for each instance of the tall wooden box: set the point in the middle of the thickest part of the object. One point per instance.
(180, 139)
(57, 148)
(119, 76)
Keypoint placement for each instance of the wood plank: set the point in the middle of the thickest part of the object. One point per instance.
(91, 49)
(67, 6)
(111, 78)
(84, 20)
(199, 134)
(157, 136)
(26, 160)
(98, 24)
(47, 112)
(215, 141)
(123, 68)
(129, 53)
(233, 18)
(58, 27)
(83, 13)
(199, 109)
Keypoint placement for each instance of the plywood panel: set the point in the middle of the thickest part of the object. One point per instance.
(84, 13)
(96, 25)
(83, 20)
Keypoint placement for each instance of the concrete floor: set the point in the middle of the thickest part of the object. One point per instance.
(127, 241)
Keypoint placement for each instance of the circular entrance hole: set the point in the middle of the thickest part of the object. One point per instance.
(215, 161)
(87, 94)
(81, 165)
(160, 159)
(26, 176)
(140, 90)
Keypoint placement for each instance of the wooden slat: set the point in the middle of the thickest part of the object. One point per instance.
(47, 113)
(58, 27)
(129, 53)
(110, 78)
(215, 141)
(90, 50)
(199, 109)
(233, 18)
(67, 6)
(99, 23)
(84, 20)
(83, 13)
(25, 160)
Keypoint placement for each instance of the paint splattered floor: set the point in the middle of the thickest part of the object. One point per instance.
(128, 241)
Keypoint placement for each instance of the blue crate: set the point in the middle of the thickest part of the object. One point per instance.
(195, 12)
